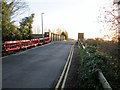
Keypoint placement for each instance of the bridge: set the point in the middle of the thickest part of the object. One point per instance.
(38, 67)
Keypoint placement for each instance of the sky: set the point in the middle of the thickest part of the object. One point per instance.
(71, 15)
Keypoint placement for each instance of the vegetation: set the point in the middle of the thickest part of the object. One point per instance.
(65, 34)
(103, 56)
(11, 9)
(110, 19)
(91, 63)
(109, 48)
(26, 27)
(62, 31)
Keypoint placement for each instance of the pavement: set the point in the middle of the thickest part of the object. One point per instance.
(39, 67)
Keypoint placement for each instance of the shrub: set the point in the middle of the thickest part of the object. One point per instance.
(90, 65)
(91, 49)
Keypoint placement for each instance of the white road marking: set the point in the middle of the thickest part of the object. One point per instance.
(67, 66)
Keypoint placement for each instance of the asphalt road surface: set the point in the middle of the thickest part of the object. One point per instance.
(35, 68)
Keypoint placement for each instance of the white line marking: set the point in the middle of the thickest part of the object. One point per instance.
(66, 74)
(63, 72)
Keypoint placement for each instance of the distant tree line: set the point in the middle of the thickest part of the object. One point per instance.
(10, 10)
(63, 32)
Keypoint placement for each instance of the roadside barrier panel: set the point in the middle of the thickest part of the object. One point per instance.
(11, 45)
(47, 39)
(35, 42)
(25, 44)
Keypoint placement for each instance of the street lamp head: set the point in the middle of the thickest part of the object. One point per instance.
(42, 13)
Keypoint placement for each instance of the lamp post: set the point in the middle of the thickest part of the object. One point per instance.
(42, 23)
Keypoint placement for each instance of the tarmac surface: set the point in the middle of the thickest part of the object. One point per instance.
(39, 67)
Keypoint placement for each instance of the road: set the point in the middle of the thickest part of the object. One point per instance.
(35, 68)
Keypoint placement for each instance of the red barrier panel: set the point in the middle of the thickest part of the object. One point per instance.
(34, 42)
(11, 45)
(47, 39)
(25, 44)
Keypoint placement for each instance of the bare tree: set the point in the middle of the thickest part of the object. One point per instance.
(110, 18)
(59, 31)
(10, 10)
(117, 2)
(17, 7)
